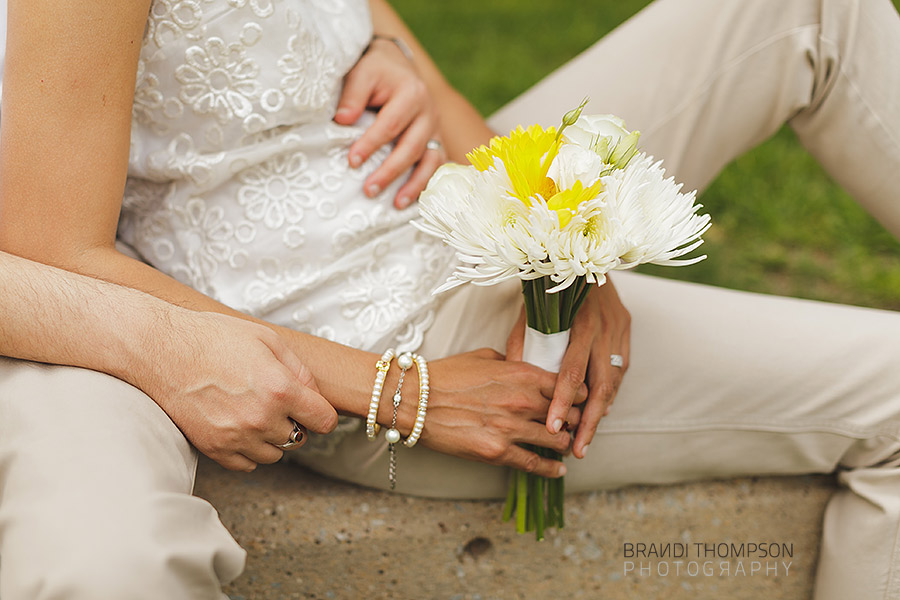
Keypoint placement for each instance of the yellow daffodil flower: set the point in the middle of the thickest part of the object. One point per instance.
(526, 155)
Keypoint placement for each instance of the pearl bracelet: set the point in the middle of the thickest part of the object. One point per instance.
(382, 366)
(422, 367)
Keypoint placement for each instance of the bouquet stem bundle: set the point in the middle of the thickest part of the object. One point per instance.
(554, 312)
(537, 501)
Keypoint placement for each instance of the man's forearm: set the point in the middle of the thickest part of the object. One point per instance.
(53, 316)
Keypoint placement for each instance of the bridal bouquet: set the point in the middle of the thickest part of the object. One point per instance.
(558, 209)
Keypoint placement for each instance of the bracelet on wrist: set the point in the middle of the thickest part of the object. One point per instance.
(382, 366)
(404, 48)
(404, 361)
(422, 367)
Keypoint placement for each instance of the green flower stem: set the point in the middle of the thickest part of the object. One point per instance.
(530, 502)
(521, 501)
(538, 502)
(510, 505)
(552, 312)
(538, 495)
(554, 502)
(561, 491)
(530, 304)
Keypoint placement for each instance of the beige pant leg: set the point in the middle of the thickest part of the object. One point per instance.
(706, 80)
(95, 503)
(721, 383)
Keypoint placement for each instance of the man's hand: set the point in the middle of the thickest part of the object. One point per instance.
(232, 387)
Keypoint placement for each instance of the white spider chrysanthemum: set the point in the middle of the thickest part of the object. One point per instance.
(537, 204)
(587, 246)
(471, 211)
(657, 222)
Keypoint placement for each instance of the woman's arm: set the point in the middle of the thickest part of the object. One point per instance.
(461, 126)
(415, 104)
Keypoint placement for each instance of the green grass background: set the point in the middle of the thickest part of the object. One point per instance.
(780, 225)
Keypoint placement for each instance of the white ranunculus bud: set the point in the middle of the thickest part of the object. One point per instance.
(624, 150)
(588, 130)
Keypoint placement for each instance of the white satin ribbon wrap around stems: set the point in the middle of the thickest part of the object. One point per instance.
(545, 350)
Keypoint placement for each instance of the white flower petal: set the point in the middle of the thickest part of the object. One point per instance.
(638, 216)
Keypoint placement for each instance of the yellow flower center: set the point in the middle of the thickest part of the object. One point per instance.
(566, 202)
(526, 154)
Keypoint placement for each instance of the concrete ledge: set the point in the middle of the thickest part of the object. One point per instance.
(310, 537)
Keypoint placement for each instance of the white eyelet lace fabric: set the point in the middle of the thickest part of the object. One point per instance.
(239, 184)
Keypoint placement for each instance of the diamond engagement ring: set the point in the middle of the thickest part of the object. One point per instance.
(434, 144)
(297, 437)
(616, 360)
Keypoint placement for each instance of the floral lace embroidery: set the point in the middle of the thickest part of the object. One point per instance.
(171, 19)
(218, 78)
(309, 72)
(239, 183)
(277, 191)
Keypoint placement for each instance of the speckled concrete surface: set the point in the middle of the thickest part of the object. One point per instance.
(309, 537)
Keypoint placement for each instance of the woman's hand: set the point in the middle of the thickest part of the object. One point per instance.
(384, 78)
(601, 328)
(231, 386)
(482, 406)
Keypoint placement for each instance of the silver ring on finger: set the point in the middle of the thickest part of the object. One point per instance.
(434, 144)
(617, 360)
(298, 436)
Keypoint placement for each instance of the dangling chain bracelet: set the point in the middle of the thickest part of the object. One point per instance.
(404, 362)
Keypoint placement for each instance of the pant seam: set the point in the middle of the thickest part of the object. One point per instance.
(892, 589)
(841, 429)
(862, 100)
(711, 81)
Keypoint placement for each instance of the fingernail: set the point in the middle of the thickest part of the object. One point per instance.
(355, 160)
(606, 412)
(557, 425)
(584, 450)
(342, 111)
(561, 470)
(373, 189)
(403, 202)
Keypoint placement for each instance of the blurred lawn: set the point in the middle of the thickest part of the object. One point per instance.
(780, 224)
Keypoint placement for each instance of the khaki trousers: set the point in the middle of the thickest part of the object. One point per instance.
(721, 383)
(95, 494)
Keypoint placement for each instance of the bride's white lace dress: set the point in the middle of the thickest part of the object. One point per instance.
(239, 184)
